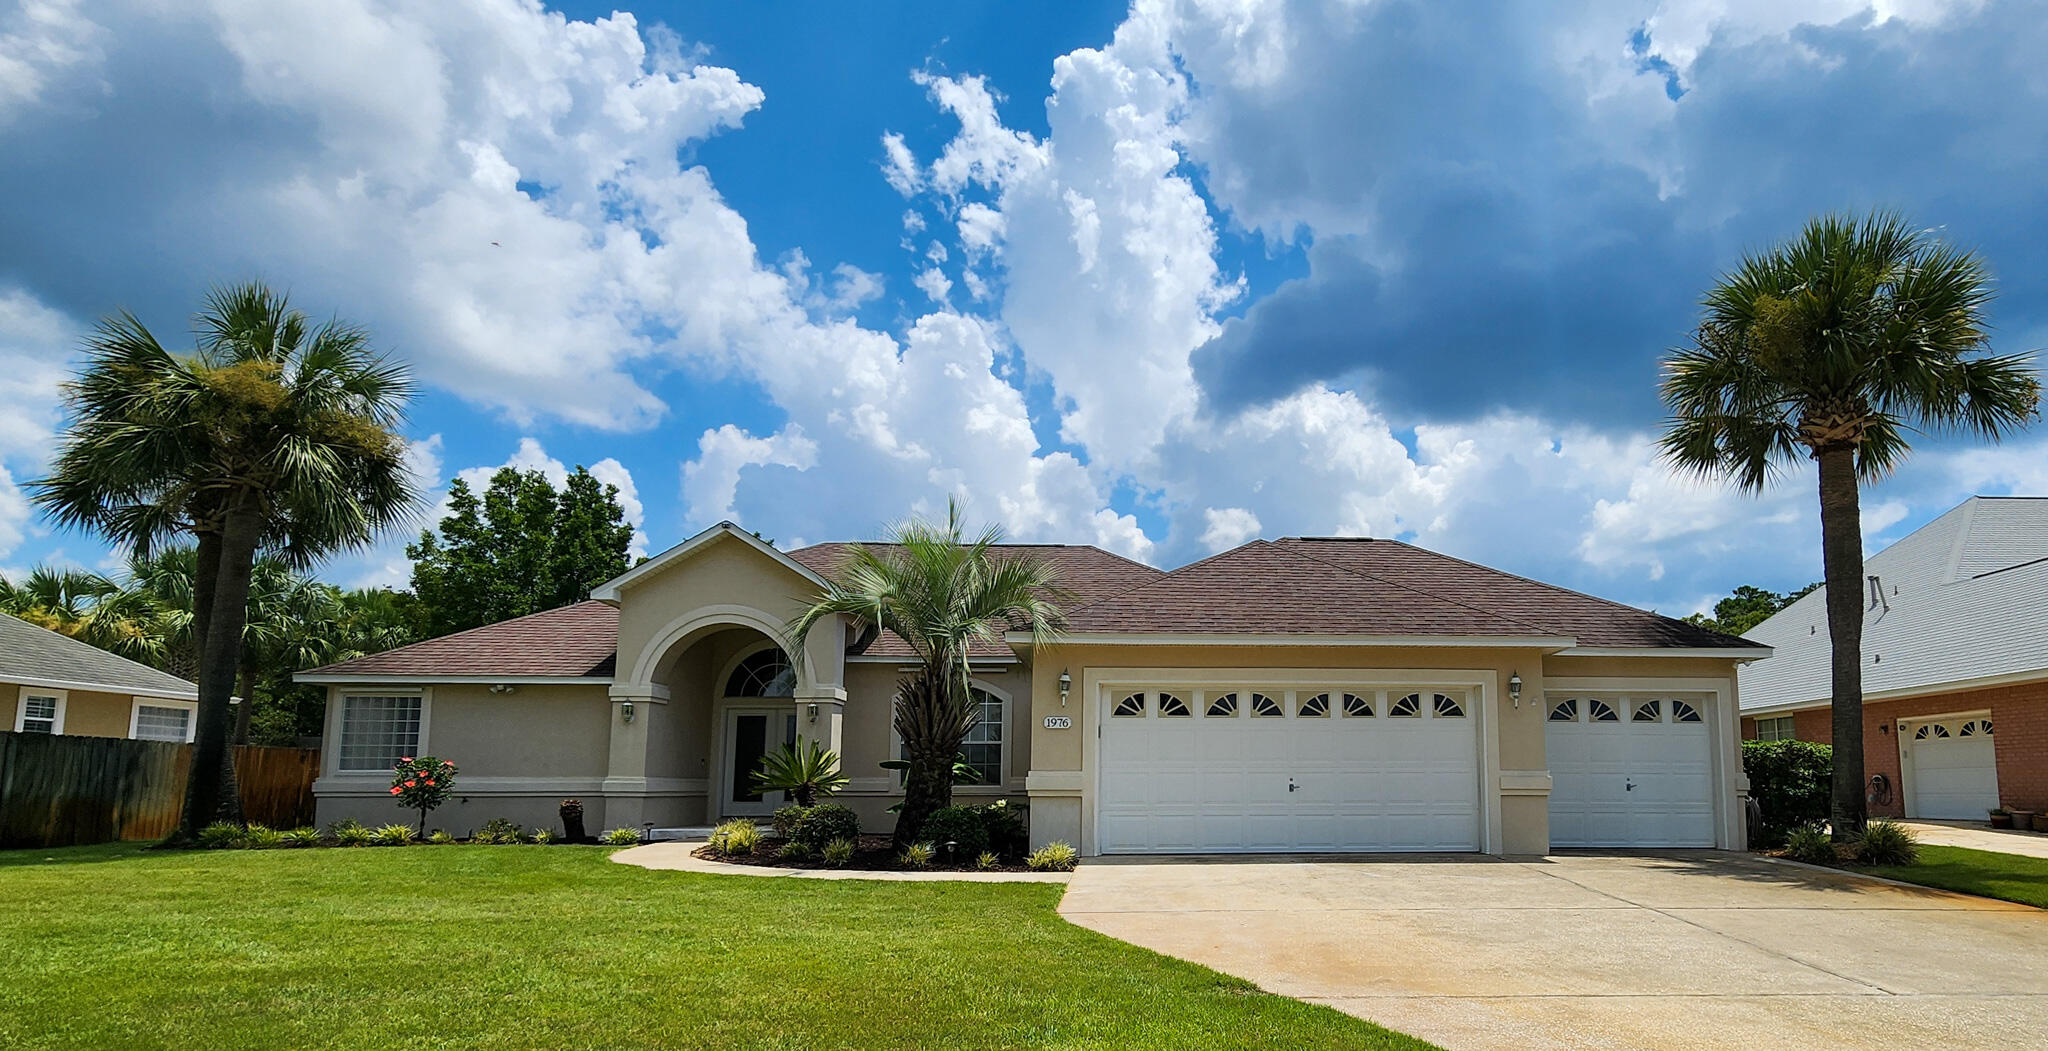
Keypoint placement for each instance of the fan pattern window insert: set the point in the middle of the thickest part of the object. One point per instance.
(1681, 712)
(1357, 707)
(1409, 707)
(1171, 707)
(1129, 707)
(1264, 707)
(1222, 707)
(1447, 708)
(1317, 707)
(1565, 711)
(1648, 712)
(1601, 711)
(1975, 727)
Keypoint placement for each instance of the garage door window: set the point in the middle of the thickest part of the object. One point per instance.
(1132, 707)
(1976, 727)
(1682, 712)
(1317, 707)
(1649, 712)
(1171, 707)
(1447, 708)
(1357, 707)
(1601, 712)
(1565, 711)
(1264, 707)
(1223, 707)
(1409, 707)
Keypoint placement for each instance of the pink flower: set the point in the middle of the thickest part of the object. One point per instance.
(410, 784)
(395, 790)
(405, 759)
(447, 762)
(430, 784)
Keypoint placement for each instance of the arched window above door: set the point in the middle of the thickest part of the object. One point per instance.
(765, 673)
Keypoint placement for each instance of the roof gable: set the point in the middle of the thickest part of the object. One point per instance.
(38, 656)
(611, 590)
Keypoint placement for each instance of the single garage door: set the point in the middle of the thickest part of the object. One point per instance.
(1954, 767)
(1629, 772)
(1208, 769)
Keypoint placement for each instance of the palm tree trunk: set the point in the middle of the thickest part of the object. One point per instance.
(210, 788)
(923, 721)
(246, 690)
(1841, 542)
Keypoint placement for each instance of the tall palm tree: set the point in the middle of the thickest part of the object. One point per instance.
(1834, 347)
(941, 592)
(274, 433)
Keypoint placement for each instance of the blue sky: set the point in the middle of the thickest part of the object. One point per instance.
(1161, 277)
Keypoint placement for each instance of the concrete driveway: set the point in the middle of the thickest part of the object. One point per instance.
(1666, 950)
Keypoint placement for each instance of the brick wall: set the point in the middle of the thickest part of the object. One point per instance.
(2019, 715)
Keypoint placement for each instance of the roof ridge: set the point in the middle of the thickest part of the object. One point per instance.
(1423, 591)
(1565, 590)
(1166, 575)
(100, 650)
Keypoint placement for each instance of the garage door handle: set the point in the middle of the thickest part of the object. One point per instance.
(1292, 787)
(1628, 786)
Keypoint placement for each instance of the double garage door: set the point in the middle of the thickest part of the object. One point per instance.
(1214, 769)
(1629, 772)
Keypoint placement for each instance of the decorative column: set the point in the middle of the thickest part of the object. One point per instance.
(625, 781)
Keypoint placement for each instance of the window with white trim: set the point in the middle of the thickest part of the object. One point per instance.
(162, 721)
(1775, 729)
(40, 711)
(377, 730)
(982, 748)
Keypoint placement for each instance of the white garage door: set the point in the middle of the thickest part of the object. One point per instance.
(1954, 764)
(1629, 772)
(1188, 770)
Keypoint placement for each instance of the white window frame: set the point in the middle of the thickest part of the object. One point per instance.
(21, 707)
(338, 720)
(999, 787)
(135, 715)
(1781, 728)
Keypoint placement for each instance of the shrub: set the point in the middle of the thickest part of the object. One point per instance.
(498, 830)
(393, 835)
(222, 835)
(1053, 857)
(299, 837)
(838, 853)
(987, 862)
(916, 856)
(794, 850)
(826, 822)
(738, 836)
(961, 831)
(1791, 782)
(789, 819)
(262, 837)
(805, 772)
(350, 833)
(622, 837)
(440, 837)
(1008, 833)
(1887, 842)
(542, 836)
(422, 784)
(1811, 844)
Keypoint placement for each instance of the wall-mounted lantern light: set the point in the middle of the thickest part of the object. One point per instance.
(1066, 683)
(626, 711)
(811, 710)
(1515, 688)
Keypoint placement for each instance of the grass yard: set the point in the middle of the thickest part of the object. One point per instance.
(2012, 877)
(556, 947)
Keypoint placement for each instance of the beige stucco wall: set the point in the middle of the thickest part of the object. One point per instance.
(87, 713)
(1516, 764)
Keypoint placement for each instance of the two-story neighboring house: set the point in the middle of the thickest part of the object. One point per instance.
(1955, 665)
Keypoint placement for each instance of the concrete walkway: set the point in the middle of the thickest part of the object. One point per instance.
(679, 856)
(1976, 835)
(1668, 950)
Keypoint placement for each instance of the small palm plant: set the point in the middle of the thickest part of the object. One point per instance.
(805, 772)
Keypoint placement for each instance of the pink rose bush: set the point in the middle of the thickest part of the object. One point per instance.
(422, 784)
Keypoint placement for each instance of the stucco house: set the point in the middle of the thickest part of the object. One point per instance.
(1955, 665)
(59, 685)
(1294, 695)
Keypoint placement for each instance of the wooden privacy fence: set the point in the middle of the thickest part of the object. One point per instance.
(61, 791)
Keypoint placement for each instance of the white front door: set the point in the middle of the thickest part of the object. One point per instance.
(1218, 769)
(1954, 767)
(750, 734)
(1629, 772)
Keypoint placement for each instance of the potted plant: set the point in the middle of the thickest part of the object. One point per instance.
(2021, 819)
(2001, 817)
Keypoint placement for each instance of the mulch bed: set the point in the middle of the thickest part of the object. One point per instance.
(870, 854)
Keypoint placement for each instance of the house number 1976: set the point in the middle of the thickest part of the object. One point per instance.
(1059, 722)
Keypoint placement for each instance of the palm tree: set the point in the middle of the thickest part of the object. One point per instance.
(274, 434)
(1834, 347)
(940, 592)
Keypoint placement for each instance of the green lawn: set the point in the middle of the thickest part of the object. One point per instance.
(1992, 875)
(556, 947)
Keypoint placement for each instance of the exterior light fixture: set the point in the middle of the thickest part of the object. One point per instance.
(503, 687)
(812, 711)
(1066, 683)
(626, 711)
(1515, 687)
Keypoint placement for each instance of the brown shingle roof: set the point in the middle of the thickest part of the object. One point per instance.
(574, 641)
(1088, 573)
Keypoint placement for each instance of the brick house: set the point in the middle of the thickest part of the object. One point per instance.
(1955, 674)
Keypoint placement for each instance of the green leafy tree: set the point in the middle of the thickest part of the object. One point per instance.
(941, 592)
(274, 434)
(1747, 607)
(1834, 347)
(520, 548)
